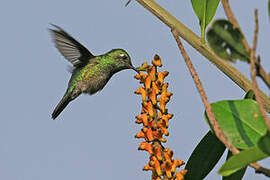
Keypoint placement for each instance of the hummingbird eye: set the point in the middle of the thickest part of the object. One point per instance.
(123, 56)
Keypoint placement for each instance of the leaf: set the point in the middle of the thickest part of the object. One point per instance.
(241, 121)
(205, 11)
(250, 95)
(240, 160)
(238, 174)
(204, 157)
(264, 143)
(227, 41)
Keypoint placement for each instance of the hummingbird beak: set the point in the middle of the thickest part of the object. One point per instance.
(131, 67)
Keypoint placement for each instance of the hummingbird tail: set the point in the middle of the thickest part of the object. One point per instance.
(61, 105)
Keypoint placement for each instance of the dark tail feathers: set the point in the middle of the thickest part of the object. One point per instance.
(61, 105)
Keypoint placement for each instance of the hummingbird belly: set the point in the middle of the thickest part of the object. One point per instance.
(93, 83)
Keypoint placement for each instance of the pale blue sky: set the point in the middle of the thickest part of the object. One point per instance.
(94, 137)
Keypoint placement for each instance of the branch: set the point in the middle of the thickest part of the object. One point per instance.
(204, 49)
(261, 72)
(259, 69)
(253, 71)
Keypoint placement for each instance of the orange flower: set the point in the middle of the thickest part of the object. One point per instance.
(147, 167)
(167, 167)
(157, 61)
(143, 118)
(180, 175)
(141, 91)
(161, 76)
(164, 97)
(146, 146)
(148, 107)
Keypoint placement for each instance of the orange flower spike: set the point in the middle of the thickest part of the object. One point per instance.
(141, 91)
(146, 146)
(157, 61)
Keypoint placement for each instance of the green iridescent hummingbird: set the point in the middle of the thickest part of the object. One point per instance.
(90, 73)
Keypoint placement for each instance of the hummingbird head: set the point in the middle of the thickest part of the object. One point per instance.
(121, 59)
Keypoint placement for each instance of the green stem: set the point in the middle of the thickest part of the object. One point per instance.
(242, 81)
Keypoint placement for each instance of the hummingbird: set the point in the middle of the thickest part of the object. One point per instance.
(90, 73)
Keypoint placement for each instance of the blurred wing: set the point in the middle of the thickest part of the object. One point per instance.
(70, 48)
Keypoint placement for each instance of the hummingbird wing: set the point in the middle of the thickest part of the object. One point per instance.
(70, 48)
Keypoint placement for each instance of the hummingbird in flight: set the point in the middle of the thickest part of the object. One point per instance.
(90, 73)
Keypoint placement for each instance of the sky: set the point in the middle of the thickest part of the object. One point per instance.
(93, 138)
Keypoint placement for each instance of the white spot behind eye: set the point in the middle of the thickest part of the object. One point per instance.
(122, 55)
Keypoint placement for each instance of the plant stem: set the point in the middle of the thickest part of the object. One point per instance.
(253, 72)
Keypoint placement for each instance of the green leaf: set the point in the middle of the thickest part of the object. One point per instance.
(205, 11)
(227, 41)
(241, 121)
(264, 143)
(240, 160)
(238, 174)
(204, 157)
(250, 95)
